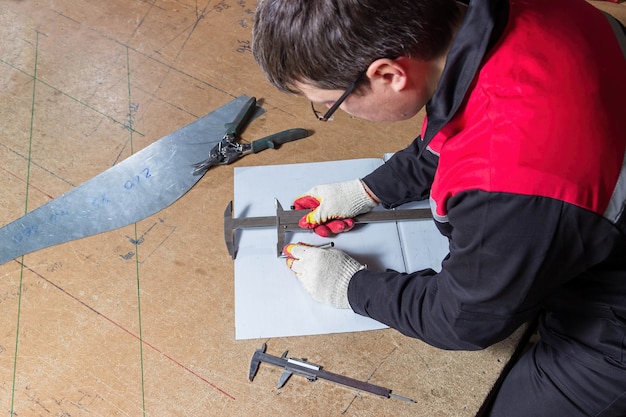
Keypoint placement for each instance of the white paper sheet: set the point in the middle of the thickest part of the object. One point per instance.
(269, 300)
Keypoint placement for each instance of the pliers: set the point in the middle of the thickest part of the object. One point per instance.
(228, 150)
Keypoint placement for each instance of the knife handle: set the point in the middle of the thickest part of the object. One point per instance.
(274, 141)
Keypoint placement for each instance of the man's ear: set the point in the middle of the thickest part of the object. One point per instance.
(389, 73)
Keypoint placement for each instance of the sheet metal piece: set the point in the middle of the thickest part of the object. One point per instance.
(132, 190)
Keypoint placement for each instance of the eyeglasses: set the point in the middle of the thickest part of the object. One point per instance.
(328, 115)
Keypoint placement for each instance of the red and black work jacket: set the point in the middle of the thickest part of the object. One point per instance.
(522, 156)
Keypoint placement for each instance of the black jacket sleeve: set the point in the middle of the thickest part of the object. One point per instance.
(509, 255)
(405, 177)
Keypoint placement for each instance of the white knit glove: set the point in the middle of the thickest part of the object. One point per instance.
(333, 206)
(324, 273)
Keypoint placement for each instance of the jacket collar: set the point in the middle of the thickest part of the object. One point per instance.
(483, 24)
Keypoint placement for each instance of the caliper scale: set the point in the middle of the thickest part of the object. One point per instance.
(287, 221)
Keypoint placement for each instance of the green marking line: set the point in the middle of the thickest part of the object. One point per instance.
(132, 151)
(19, 297)
(82, 103)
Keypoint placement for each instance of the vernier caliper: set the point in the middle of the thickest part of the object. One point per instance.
(312, 372)
(287, 221)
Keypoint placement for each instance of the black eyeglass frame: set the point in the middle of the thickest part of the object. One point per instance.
(327, 116)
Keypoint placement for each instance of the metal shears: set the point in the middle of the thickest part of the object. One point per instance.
(228, 150)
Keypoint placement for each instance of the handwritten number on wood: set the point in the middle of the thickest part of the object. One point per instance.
(244, 46)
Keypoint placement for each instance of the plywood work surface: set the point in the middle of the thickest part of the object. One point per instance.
(140, 321)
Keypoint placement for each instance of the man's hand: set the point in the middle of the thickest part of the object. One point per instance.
(324, 273)
(333, 206)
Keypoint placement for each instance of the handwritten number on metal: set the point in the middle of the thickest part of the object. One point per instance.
(138, 179)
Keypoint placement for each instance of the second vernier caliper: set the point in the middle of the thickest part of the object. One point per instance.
(287, 221)
(312, 372)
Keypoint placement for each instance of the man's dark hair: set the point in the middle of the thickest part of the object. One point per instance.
(326, 43)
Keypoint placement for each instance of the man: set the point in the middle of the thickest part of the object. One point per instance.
(522, 156)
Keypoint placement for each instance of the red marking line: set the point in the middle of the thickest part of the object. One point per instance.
(131, 333)
(29, 185)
